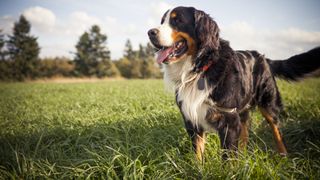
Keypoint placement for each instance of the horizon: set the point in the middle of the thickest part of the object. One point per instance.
(281, 30)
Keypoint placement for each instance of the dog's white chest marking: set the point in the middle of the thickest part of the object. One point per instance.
(193, 104)
(193, 100)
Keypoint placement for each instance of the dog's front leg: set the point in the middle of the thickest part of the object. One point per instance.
(198, 139)
(229, 134)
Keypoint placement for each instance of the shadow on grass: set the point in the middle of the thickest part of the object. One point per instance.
(105, 144)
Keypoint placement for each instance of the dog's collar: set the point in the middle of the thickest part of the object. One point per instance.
(201, 81)
(200, 68)
(206, 67)
(228, 110)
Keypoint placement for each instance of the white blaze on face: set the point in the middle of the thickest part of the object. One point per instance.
(165, 31)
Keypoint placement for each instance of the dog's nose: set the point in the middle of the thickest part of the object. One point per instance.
(153, 32)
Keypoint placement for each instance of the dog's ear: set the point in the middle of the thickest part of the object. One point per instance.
(207, 37)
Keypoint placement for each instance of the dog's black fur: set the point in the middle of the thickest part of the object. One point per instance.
(236, 78)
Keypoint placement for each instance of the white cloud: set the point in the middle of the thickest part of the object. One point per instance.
(131, 29)
(275, 44)
(57, 37)
(111, 19)
(296, 35)
(156, 12)
(79, 22)
(57, 49)
(42, 19)
(6, 24)
(68, 31)
(159, 8)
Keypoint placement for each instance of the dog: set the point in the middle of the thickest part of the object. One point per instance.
(216, 86)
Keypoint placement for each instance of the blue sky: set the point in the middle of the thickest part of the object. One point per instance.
(276, 28)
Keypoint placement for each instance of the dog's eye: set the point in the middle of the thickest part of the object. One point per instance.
(176, 20)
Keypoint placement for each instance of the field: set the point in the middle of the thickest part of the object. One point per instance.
(133, 130)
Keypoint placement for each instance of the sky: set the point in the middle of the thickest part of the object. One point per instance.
(276, 28)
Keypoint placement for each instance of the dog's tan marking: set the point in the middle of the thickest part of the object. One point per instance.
(173, 14)
(200, 145)
(275, 130)
(244, 135)
(176, 36)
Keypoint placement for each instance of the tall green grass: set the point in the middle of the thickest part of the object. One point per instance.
(133, 130)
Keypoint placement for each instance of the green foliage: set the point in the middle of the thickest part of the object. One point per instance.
(135, 68)
(149, 50)
(138, 64)
(5, 66)
(124, 66)
(55, 67)
(2, 46)
(128, 51)
(149, 68)
(6, 70)
(92, 56)
(23, 50)
(20, 61)
(133, 130)
(107, 69)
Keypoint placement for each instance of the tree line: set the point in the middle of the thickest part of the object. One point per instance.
(19, 57)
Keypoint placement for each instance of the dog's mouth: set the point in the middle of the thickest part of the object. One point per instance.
(172, 53)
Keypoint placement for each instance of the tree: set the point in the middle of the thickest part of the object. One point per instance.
(142, 63)
(83, 58)
(107, 68)
(5, 66)
(135, 68)
(92, 56)
(128, 51)
(149, 68)
(142, 52)
(23, 50)
(56, 67)
(129, 65)
(149, 50)
(2, 46)
(124, 66)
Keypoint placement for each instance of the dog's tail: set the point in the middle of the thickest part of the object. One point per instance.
(298, 66)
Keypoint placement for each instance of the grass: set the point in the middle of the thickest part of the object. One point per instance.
(133, 130)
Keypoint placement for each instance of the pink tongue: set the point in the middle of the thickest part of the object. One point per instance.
(163, 54)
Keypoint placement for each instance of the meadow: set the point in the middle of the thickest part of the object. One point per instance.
(132, 129)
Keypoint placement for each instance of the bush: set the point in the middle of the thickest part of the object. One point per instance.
(53, 67)
(107, 68)
(6, 70)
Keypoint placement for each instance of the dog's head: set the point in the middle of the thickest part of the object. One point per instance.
(185, 31)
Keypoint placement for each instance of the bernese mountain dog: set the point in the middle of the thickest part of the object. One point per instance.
(216, 86)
